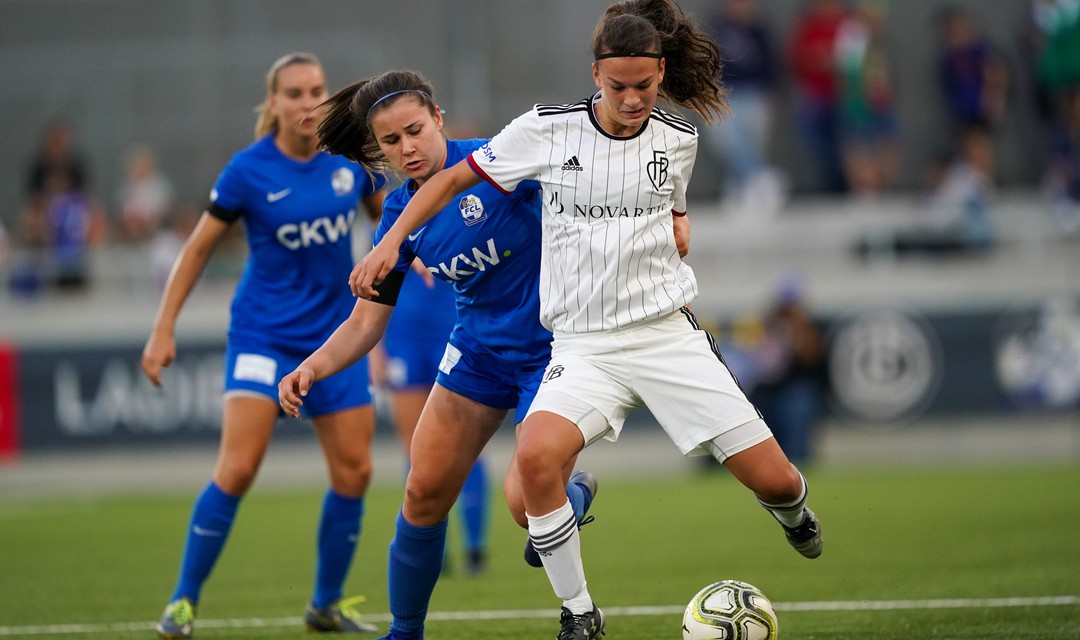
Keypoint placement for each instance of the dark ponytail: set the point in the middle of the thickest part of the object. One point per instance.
(693, 61)
(345, 130)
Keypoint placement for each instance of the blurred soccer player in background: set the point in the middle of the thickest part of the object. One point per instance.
(298, 205)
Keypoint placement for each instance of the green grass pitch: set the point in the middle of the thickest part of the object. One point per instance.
(909, 553)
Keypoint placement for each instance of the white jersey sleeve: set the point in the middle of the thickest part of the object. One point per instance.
(511, 156)
(684, 167)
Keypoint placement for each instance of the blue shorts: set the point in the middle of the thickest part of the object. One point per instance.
(255, 368)
(490, 380)
(413, 363)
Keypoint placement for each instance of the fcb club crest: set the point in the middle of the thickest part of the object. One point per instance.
(472, 209)
(657, 169)
(342, 181)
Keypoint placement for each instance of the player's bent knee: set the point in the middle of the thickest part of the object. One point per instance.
(428, 503)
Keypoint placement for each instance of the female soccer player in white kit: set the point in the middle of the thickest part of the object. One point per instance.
(614, 292)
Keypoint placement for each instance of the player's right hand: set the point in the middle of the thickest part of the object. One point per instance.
(159, 352)
(372, 269)
(293, 388)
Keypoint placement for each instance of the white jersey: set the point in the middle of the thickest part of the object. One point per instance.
(609, 258)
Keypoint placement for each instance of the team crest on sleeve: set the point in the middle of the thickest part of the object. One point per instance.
(472, 209)
(657, 169)
(343, 181)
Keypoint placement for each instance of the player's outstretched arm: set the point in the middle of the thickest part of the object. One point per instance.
(352, 340)
(436, 193)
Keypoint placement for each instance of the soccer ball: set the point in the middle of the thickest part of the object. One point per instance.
(730, 610)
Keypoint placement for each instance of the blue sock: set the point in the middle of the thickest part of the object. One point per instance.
(211, 519)
(474, 506)
(339, 531)
(416, 558)
(579, 499)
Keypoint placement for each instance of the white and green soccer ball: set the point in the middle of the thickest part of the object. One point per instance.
(730, 610)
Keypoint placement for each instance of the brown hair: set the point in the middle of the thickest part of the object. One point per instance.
(345, 131)
(692, 70)
(265, 122)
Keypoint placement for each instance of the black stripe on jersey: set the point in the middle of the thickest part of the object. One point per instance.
(715, 349)
(559, 109)
(675, 122)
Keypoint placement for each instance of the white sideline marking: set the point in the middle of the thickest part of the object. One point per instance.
(517, 614)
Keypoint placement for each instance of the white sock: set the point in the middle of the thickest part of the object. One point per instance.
(555, 537)
(790, 514)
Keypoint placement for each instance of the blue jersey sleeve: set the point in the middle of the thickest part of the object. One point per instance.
(229, 193)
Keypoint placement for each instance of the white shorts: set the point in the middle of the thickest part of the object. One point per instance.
(671, 366)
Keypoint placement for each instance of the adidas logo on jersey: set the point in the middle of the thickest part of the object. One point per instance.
(572, 165)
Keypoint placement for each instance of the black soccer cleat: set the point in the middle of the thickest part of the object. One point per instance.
(806, 538)
(586, 626)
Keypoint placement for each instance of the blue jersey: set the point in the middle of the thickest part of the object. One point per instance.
(298, 218)
(487, 245)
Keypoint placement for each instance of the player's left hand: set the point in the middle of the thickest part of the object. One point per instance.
(293, 388)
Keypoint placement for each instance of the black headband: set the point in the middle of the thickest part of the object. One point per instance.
(635, 54)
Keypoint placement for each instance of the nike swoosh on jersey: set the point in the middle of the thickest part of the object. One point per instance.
(274, 196)
(413, 237)
(199, 531)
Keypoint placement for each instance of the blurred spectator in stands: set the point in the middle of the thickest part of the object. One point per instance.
(56, 157)
(974, 79)
(1055, 54)
(1056, 51)
(144, 198)
(62, 220)
(811, 54)
(790, 371)
(752, 186)
(67, 226)
(956, 218)
(1063, 175)
(868, 120)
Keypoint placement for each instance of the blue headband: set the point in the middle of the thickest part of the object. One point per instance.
(398, 93)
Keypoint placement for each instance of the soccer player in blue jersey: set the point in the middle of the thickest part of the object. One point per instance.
(485, 243)
(614, 291)
(298, 205)
(413, 345)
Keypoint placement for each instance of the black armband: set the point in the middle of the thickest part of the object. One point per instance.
(226, 216)
(389, 288)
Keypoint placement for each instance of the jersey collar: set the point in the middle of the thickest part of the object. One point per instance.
(591, 102)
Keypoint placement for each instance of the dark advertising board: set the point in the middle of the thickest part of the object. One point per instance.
(884, 366)
(94, 395)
